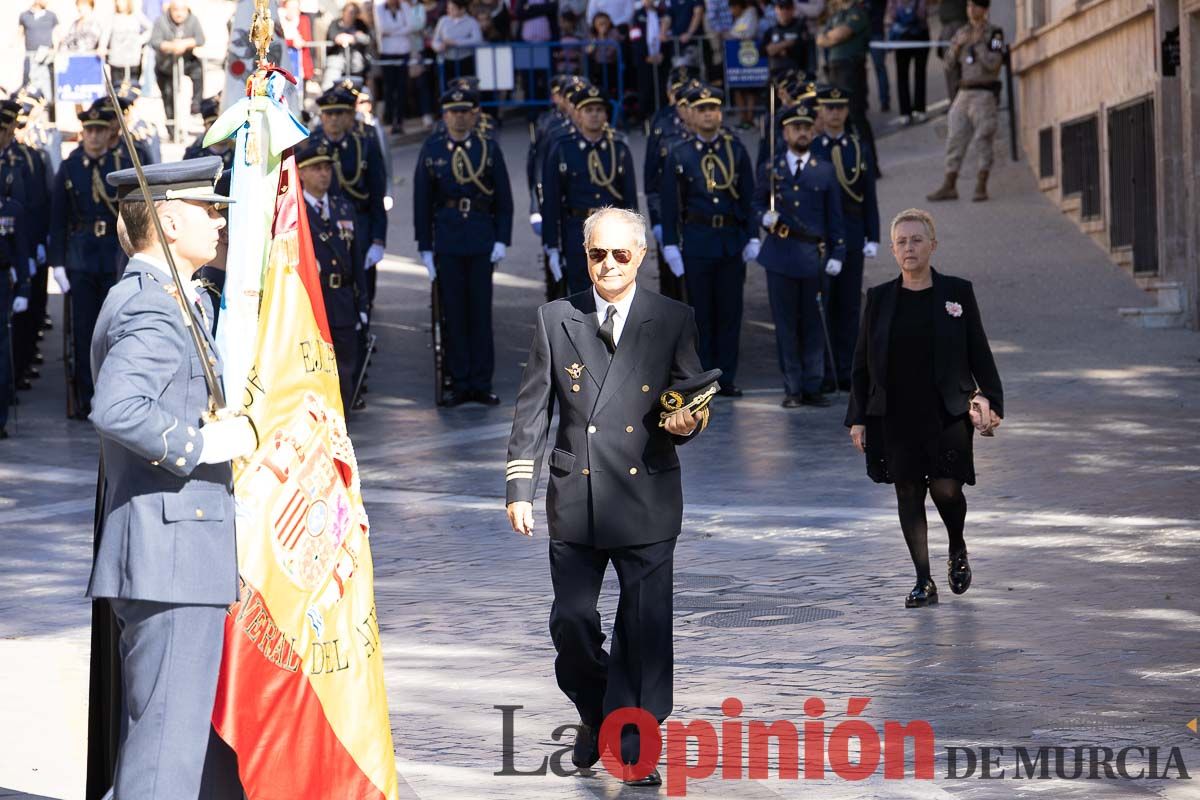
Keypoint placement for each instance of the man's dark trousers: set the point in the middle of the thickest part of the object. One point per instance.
(843, 299)
(798, 335)
(465, 283)
(637, 673)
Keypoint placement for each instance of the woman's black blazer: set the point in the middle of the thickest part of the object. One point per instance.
(962, 357)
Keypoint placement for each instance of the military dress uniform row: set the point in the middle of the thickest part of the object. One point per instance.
(462, 215)
(15, 261)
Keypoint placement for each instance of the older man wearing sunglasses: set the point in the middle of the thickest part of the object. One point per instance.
(603, 356)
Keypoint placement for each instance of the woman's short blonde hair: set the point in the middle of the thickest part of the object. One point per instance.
(915, 215)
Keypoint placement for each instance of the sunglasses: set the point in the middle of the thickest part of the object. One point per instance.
(598, 254)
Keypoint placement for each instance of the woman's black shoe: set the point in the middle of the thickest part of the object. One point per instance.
(959, 573)
(923, 594)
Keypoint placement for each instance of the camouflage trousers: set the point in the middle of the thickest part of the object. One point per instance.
(972, 122)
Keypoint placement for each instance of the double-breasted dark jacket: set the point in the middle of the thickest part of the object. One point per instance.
(614, 473)
(962, 358)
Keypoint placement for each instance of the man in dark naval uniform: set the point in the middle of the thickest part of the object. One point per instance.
(586, 170)
(805, 241)
(854, 166)
(463, 212)
(210, 109)
(16, 269)
(84, 255)
(603, 357)
(343, 278)
(710, 231)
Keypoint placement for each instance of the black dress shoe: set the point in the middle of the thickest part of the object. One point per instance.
(3, 434)
(587, 747)
(24, 384)
(958, 573)
(359, 404)
(843, 386)
(38, 358)
(452, 398)
(652, 780)
(792, 401)
(33, 373)
(923, 594)
(729, 391)
(815, 399)
(486, 398)
(829, 386)
(47, 324)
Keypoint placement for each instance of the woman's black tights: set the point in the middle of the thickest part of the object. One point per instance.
(951, 504)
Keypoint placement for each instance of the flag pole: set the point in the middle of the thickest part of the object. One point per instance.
(216, 393)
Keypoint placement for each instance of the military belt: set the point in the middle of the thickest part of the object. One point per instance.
(712, 220)
(468, 204)
(97, 227)
(336, 280)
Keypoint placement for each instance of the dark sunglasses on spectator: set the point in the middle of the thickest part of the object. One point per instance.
(597, 254)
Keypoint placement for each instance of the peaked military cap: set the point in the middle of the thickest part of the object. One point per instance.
(190, 179)
(586, 95)
(832, 96)
(99, 113)
(468, 83)
(337, 98)
(459, 99)
(692, 394)
(9, 111)
(313, 150)
(210, 108)
(707, 96)
(801, 112)
(352, 84)
(680, 76)
(127, 95)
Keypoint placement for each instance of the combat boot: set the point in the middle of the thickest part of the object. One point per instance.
(981, 187)
(946, 191)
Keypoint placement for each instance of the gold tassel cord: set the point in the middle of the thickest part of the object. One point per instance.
(840, 169)
(348, 184)
(99, 193)
(465, 172)
(711, 164)
(596, 167)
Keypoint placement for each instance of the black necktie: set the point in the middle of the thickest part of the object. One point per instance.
(607, 328)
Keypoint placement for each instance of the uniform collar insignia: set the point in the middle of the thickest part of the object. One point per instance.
(575, 370)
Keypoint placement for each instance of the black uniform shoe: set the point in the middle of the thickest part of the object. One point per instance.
(843, 385)
(815, 399)
(487, 398)
(3, 434)
(792, 401)
(587, 747)
(652, 780)
(33, 373)
(923, 594)
(829, 386)
(24, 384)
(359, 404)
(451, 398)
(47, 323)
(38, 358)
(958, 573)
(729, 391)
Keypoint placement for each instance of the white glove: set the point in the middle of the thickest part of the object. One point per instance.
(750, 251)
(427, 260)
(362, 315)
(535, 220)
(833, 267)
(32, 268)
(227, 439)
(41, 254)
(374, 255)
(871, 249)
(657, 230)
(20, 305)
(60, 277)
(769, 219)
(554, 261)
(499, 251)
(674, 259)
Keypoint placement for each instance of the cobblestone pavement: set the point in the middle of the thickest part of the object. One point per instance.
(1080, 628)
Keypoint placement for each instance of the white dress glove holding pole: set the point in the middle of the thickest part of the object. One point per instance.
(60, 277)
(227, 439)
(499, 251)
(427, 260)
(769, 219)
(674, 259)
(833, 267)
(554, 261)
(374, 255)
(750, 251)
(871, 249)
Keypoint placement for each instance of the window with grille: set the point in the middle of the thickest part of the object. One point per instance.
(1132, 197)
(1046, 153)
(1079, 144)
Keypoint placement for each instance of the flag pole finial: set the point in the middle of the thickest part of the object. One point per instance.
(261, 28)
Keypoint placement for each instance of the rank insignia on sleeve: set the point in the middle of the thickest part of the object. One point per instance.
(575, 371)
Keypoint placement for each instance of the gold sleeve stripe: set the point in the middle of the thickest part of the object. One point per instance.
(518, 475)
(521, 462)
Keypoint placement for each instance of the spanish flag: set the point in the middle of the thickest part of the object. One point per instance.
(301, 694)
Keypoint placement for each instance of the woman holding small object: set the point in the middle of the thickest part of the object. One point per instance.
(923, 382)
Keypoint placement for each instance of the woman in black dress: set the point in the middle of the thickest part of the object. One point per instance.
(923, 382)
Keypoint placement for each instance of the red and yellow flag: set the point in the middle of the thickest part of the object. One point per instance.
(301, 693)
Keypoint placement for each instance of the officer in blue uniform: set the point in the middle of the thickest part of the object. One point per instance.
(553, 117)
(359, 174)
(144, 134)
(587, 170)
(462, 213)
(16, 258)
(854, 165)
(84, 254)
(23, 180)
(805, 241)
(707, 188)
(343, 277)
(210, 109)
(666, 124)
